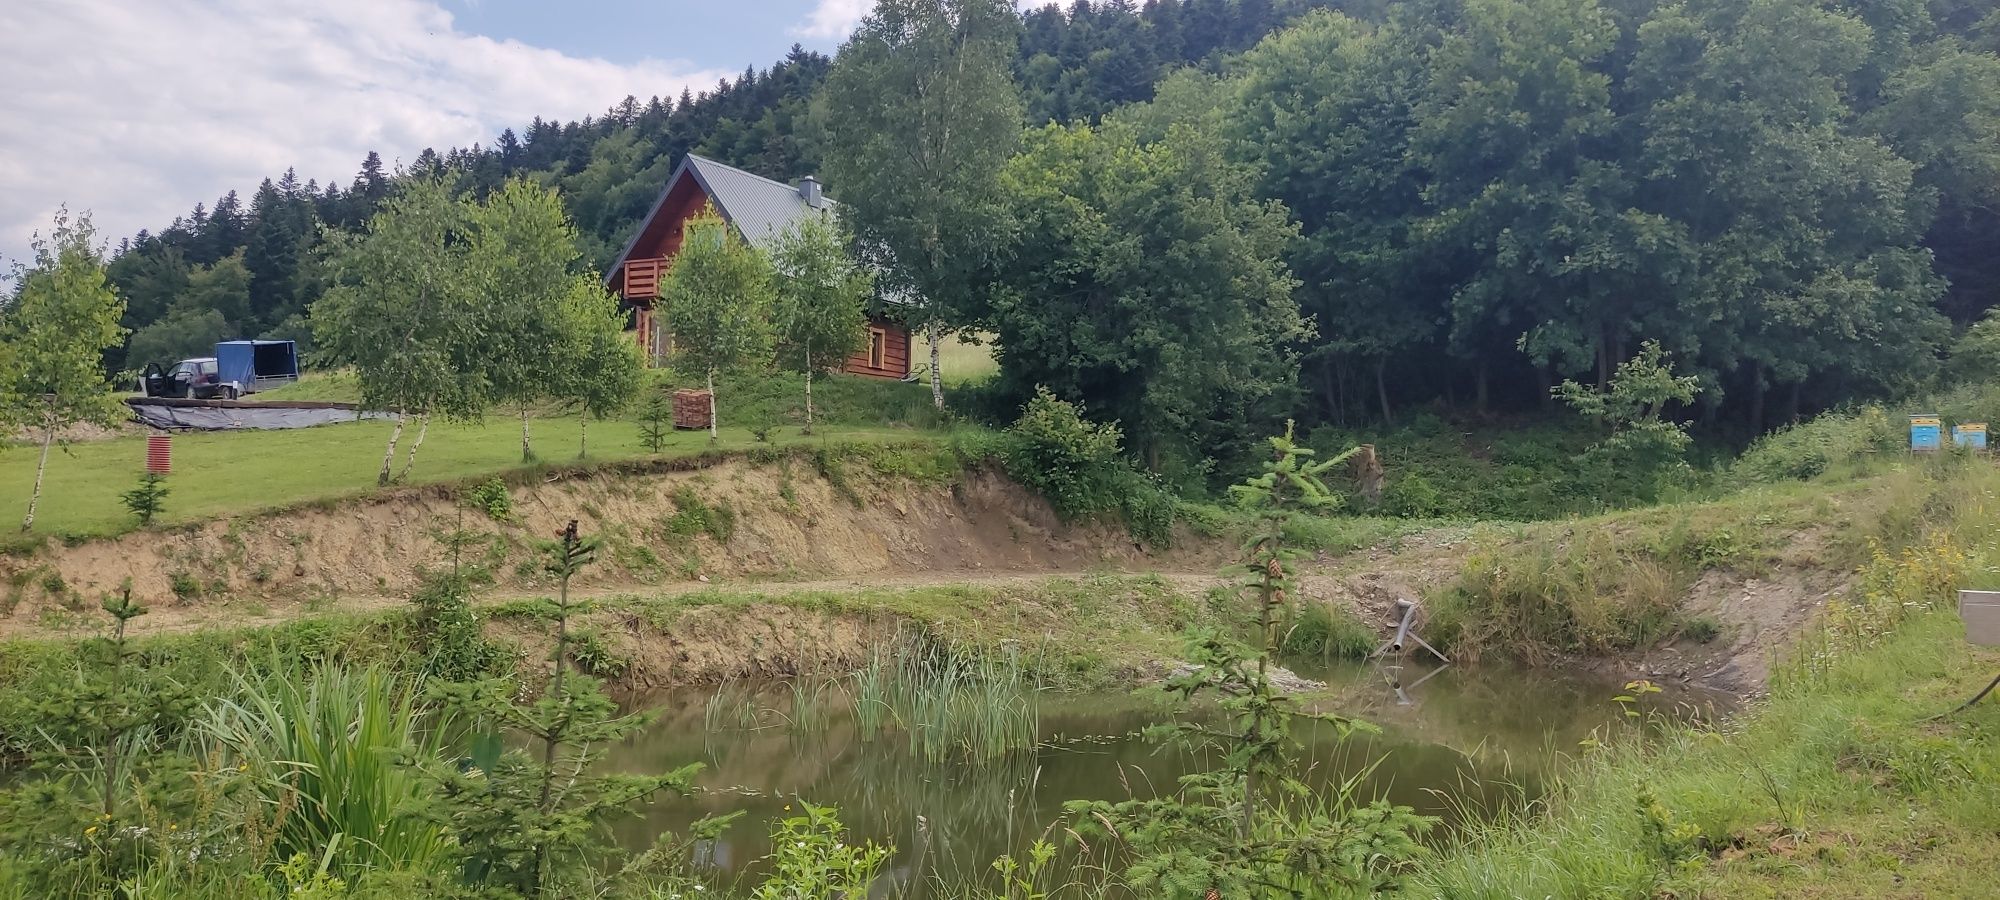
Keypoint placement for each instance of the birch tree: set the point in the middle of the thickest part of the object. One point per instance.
(52, 342)
(921, 113)
(718, 303)
(820, 292)
(404, 313)
(523, 259)
(600, 366)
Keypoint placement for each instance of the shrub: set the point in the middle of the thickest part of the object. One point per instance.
(693, 516)
(491, 496)
(1072, 462)
(455, 647)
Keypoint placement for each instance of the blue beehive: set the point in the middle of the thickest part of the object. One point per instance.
(1926, 432)
(1970, 435)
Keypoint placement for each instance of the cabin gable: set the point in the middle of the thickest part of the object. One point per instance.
(758, 209)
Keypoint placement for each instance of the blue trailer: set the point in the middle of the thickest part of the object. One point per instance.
(252, 366)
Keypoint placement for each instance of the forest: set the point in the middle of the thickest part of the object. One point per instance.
(1455, 204)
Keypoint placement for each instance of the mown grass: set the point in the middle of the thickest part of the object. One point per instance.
(1839, 785)
(226, 473)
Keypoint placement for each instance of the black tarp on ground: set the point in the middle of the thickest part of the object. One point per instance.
(226, 415)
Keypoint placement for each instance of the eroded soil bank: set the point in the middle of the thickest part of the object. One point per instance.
(738, 567)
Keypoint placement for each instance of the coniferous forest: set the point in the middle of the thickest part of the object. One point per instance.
(1456, 202)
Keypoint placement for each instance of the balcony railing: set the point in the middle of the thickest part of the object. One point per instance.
(642, 278)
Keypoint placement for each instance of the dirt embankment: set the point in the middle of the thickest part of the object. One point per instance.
(737, 521)
(781, 528)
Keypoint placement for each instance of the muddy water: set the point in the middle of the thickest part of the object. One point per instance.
(1462, 742)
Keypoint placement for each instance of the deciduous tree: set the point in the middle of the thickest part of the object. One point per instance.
(820, 292)
(54, 334)
(405, 315)
(921, 112)
(1148, 283)
(718, 302)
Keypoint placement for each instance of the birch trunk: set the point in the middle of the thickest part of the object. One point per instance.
(713, 436)
(527, 447)
(389, 456)
(583, 436)
(937, 386)
(35, 498)
(809, 390)
(423, 428)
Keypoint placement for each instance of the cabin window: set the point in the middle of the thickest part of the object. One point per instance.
(878, 348)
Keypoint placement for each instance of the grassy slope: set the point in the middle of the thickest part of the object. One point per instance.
(221, 473)
(1837, 786)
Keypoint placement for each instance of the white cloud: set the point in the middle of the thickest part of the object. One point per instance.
(136, 111)
(833, 19)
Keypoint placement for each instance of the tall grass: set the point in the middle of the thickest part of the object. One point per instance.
(956, 705)
(328, 750)
(1840, 785)
(1583, 590)
(950, 705)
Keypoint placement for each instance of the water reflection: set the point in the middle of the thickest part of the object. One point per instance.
(1454, 742)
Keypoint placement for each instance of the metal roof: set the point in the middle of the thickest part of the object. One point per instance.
(759, 208)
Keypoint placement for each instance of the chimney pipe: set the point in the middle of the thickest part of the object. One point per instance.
(810, 192)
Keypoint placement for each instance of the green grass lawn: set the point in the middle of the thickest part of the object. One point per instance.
(961, 361)
(222, 473)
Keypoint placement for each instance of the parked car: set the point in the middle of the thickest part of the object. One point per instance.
(195, 379)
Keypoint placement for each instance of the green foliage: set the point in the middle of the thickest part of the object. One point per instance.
(1070, 461)
(1643, 447)
(1328, 631)
(1819, 446)
(333, 746)
(148, 499)
(718, 299)
(492, 498)
(921, 113)
(62, 318)
(455, 647)
(528, 823)
(656, 421)
(1146, 282)
(812, 860)
(820, 292)
(1251, 828)
(695, 516)
(182, 334)
(99, 747)
(1554, 593)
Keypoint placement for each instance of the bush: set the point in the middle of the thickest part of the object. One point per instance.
(1073, 463)
(492, 497)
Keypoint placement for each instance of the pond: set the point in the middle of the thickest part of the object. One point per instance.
(1453, 743)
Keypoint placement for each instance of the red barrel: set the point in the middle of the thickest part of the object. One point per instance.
(159, 453)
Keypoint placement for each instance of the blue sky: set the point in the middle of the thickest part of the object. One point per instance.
(135, 111)
(713, 35)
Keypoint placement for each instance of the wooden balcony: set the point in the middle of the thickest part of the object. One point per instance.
(642, 278)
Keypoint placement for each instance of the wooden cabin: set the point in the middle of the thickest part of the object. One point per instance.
(760, 210)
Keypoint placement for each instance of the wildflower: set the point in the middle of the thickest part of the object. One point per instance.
(87, 832)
